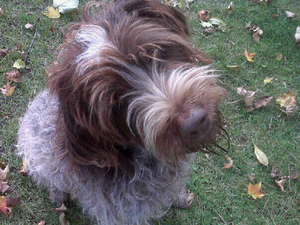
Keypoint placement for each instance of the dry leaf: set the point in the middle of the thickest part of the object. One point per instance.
(3, 207)
(3, 52)
(209, 30)
(290, 14)
(254, 190)
(61, 208)
(52, 13)
(251, 177)
(14, 76)
(29, 26)
(254, 29)
(261, 156)
(19, 64)
(2, 12)
(274, 172)
(268, 80)
(297, 36)
(7, 90)
(249, 56)
(12, 202)
(190, 197)
(235, 68)
(289, 102)
(204, 15)
(278, 56)
(256, 37)
(281, 183)
(41, 223)
(275, 15)
(230, 8)
(23, 170)
(3, 173)
(63, 220)
(229, 164)
(248, 96)
(262, 101)
(3, 187)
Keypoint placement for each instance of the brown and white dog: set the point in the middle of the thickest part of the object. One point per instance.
(126, 107)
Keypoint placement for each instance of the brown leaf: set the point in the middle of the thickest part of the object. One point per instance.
(230, 8)
(2, 12)
(204, 15)
(12, 202)
(3, 186)
(23, 170)
(248, 96)
(229, 164)
(3, 207)
(3, 52)
(297, 36)
(62, 208)
(289, 102)
(256, 37)
(7, 90)
(3, 173)
(275, 15)
(281, 182)
(278, 56)
(251, 177)
(14, 76)
(41, 223)
(249, 56)
(274, 172)
(262, 101)
(29, 26)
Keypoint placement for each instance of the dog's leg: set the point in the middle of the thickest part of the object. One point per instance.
(184, 200)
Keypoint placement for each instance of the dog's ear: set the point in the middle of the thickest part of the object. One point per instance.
(156, 12)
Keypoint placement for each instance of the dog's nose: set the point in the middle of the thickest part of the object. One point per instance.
(195, 124)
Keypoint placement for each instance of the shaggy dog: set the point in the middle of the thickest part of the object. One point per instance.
(126, 106)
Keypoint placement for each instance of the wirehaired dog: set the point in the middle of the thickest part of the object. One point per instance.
(126, 107)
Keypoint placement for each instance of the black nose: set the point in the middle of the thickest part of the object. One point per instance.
(195, 124)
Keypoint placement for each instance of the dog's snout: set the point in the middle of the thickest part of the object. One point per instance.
(195, 125)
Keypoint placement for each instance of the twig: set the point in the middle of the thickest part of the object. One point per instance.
(291, 155)
(289, 178)
(221, 217)
(30, 46)
(270, 124)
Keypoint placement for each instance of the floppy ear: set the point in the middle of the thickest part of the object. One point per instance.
(156, 12)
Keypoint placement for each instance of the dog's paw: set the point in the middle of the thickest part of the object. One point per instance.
(184, 200)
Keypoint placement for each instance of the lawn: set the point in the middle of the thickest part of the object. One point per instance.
(221, 194)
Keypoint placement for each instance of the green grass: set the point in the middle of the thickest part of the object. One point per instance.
(221, 194)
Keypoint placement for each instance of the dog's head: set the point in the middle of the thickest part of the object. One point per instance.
(128, 79)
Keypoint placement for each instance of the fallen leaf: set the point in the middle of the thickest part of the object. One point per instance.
(61, 208)
(23, 170)
(261, 156)
(230, 8)
(206, 24)
(235, 68)
(251, 177)
(248, 96)
(41, 223)
(268, 80)
(2, 12)
(278, 56)
(274, 172)
(209, 30)
(254, 28)
(19, 64)
(3, 207)
(65, 6)
(256, 37)
(281, 182)
(63, 220)
(3, 187)
(262, 101)
(290, 14)
(12, 202)
(275, 15)
(218, 22)
(3, 52)
(3, 173)
(7, 90)
(289, 102)
(29, 26)
(52, 13)
(297, 36)
(14, 76)
(204, 15)
(254, 190)
(229, 164)
(249, 56)
(181, 4)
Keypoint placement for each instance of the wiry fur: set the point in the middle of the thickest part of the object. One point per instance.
(107, 129)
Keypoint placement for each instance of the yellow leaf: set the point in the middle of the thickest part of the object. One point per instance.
(235, 68)
(278, 56)
(268, 80)
(19, 64)
(289, 102)
(52, 13)
(261, 156)
(7, 90)
(254, 190)
(3, 173)
(229, 164)
(249, 56)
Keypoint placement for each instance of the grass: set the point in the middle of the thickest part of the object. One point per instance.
(221, 194)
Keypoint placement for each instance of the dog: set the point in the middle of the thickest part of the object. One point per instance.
(129, 102)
